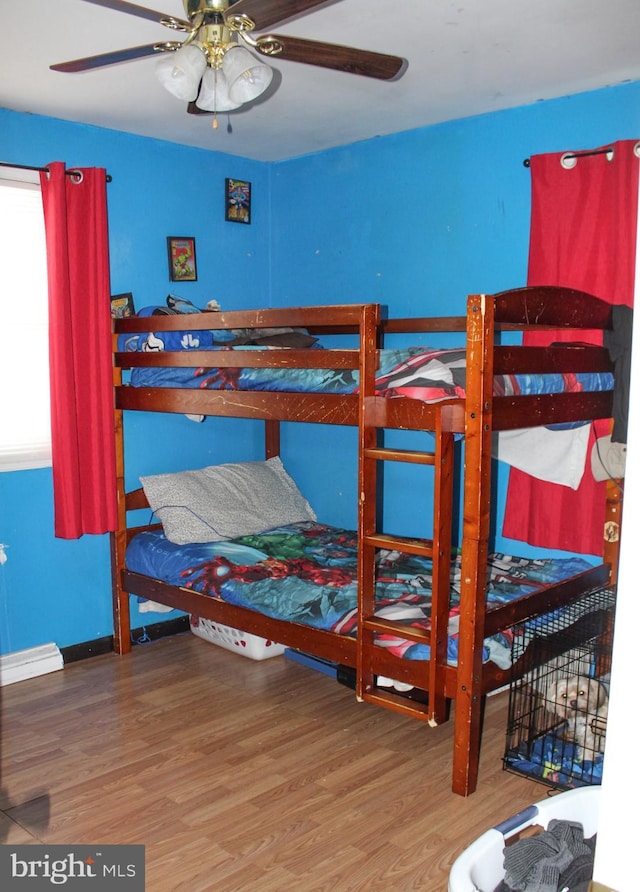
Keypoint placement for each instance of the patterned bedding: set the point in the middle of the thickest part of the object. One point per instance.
(306, 573)
(421, 373)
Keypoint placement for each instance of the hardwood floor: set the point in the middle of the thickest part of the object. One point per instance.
(240, 775)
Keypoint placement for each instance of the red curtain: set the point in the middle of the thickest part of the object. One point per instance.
(84, 481)
(583, 235)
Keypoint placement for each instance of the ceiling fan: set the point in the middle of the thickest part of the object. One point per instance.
(211, 68)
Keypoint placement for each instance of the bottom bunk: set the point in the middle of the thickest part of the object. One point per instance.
(306, 574)
(296, 584)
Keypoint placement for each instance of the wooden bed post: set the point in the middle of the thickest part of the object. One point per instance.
(612, 523)
(271, 438)
(121, 612)
(475, 536)
(367, 489)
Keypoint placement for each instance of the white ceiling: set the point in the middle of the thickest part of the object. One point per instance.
(466, 57)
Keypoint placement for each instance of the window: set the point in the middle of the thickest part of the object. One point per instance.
(25, 432)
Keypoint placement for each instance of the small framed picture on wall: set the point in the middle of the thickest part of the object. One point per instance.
(237, 201)
(181, 251)
(122, 305)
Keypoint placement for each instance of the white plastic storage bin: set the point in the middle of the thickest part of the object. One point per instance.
(251, 646)
(480, 867)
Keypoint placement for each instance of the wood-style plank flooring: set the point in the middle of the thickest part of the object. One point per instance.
(241, 775)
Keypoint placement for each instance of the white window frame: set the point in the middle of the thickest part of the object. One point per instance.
(25, 420)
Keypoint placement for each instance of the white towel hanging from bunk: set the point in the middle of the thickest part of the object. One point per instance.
(558, 456)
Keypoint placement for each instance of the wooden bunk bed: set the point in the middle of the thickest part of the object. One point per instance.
(476, 417)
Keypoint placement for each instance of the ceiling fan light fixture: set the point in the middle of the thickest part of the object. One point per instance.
(247, 77)
(214, 93)
(181, 72)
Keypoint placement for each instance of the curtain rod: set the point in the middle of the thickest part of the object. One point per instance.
(527, 161)
(69, 173)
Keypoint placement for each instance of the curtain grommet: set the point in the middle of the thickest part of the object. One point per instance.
(568, 160)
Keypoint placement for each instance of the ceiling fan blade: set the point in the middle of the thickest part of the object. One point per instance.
(330, 55)
(142, 12)
(134, 52)
(267, 12)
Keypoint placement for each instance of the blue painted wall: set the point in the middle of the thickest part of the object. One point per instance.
(416, 221)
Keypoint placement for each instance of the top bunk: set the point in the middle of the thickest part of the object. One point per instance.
(283, 364)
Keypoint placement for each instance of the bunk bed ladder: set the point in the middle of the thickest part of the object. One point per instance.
(438, 549)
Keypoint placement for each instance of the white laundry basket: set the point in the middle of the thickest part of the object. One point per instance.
(480, 867)
(235, 640)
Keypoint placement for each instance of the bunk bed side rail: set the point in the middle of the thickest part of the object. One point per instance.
(290, 317)
(305, 638)
(320, 408)
(239, 358)
(513, 412)
(544, 600)
(564, 358)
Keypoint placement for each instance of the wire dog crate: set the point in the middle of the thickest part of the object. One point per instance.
(557, 718)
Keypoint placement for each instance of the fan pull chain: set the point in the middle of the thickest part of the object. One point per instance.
(214, 123)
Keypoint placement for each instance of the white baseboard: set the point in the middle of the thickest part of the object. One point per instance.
(22, 664)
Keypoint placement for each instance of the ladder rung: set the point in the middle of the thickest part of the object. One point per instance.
(414, 708)
(409, 455)
(399, 630)
(400, 543)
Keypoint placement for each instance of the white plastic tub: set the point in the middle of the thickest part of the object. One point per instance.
(480, 867)
(235, 640)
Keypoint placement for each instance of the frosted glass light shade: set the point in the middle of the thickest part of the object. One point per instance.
(180, 72)
(214, 94)
(247, 77)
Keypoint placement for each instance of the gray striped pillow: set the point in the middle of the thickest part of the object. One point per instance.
(225, 501)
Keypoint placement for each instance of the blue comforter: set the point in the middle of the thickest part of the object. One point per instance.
(306, 573)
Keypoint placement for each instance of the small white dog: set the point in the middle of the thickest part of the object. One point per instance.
(583, 704)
